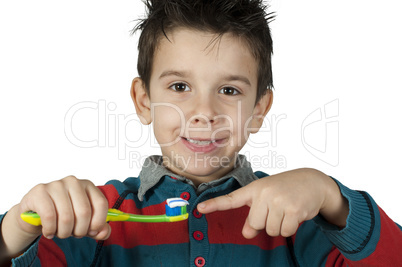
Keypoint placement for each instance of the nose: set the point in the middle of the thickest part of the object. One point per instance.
(204, 111)
(200, 118)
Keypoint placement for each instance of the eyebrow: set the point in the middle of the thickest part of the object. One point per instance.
(181, 74)
(240, 78)
(226, 78)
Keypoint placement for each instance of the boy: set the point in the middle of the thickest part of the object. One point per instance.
(204, 71)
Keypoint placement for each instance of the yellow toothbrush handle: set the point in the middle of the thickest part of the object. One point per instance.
(112, 215)
(31, 218)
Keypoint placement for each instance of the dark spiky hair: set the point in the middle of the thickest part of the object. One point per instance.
(246, 19)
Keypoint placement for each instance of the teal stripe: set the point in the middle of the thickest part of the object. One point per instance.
(311, 245)
(178, 255)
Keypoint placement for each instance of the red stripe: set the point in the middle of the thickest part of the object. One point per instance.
(111, 194)
(226, 227)
(50, 254)
(132, 234)
(223, 227)
(335, 259)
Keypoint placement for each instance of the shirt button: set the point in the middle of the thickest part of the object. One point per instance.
(199, 261)
(198, 235)
(185, 195)
(197, 214)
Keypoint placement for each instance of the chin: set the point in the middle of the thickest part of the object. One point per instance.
(201, 172)
(207, 172)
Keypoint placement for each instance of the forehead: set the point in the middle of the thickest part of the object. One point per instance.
(207, 38)
(194, 49)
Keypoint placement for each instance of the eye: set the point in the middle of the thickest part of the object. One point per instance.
(180, 87)
(229, 91)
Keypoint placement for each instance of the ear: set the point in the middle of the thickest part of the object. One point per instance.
(260, 111)
(141, 101)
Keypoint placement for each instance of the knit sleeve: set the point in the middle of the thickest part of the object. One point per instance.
(28, 257)
(370, 237)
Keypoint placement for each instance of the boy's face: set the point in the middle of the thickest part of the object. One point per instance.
(202, 96)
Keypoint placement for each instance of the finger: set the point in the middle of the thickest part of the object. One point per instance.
(81, 208)
(234, 200)
(48, 216)
(249, 232)
(64, 209)
(46, 210)
(274, 222)
(257, 217)
(104, 233)
(289, 226)
(99, 206)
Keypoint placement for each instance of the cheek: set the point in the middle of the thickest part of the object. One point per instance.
(167, 122)
(165, 114)
(238, 121)
(242, 119)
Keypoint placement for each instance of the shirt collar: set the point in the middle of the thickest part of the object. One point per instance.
(153, 170)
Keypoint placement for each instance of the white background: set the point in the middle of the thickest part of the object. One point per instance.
(54, 55)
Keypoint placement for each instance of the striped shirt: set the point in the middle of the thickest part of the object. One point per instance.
(370, 238)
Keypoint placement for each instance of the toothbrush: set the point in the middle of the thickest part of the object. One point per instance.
(176, 210)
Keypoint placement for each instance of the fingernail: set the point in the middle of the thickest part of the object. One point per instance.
(93, 233)
(49, 236)
(202, 205)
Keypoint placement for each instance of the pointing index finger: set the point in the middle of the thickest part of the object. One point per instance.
(234, 200)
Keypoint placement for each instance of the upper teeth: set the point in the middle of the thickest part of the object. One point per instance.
(198, 142)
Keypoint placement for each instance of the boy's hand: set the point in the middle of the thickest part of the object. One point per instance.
(67, 207)
(279, 203)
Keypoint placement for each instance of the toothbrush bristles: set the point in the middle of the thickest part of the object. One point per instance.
(175, 211)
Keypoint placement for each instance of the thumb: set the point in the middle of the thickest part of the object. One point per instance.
(234, 200)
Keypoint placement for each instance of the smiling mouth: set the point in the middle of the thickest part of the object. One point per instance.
(200, 142)
(201, 145)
